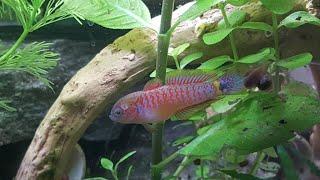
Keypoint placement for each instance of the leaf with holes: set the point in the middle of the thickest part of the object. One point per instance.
(264, 54)
(190, 58)
(297, 61)
(299, 18)
(279, 6)
(259, 123)
(214, 63)
(216, 36)
(114, 14)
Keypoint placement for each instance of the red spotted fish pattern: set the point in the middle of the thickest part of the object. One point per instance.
(183, 91)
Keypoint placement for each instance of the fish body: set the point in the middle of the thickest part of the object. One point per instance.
(158, 103)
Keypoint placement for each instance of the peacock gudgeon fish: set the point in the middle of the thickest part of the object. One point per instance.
(184, 93)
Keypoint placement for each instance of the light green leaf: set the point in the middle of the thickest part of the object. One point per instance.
(256, 26)
(299, 18)
(114, 14)
(227, 102)
(190, 58)
(237, 2)
(216, 36)
(279, 6)
(287, 164)
(153, 74)
(106, 164)
(270, 152)
(175, 52)
(296, 61)
(4, 105)
(263, 54)
(236, 18)
(214, 63)
(199, 7)
(123, 159)
(182, 140)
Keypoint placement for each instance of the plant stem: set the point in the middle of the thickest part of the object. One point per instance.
(276, 77)
(183, 164)
(231, 35)
(114, 175)
(165, 162)
(202, 169)
(15, 46)
(161, 65)
(259, 158)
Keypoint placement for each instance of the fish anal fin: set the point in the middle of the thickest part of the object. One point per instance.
(186, 113)
(152, 84)
(181, 77)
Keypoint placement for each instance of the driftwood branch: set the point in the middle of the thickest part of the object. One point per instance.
(117, 67)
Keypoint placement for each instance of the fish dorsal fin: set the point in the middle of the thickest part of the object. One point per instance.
(186, 113)
(181, 77)
(152, 84)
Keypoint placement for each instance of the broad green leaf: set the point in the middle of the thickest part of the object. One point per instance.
(216, 36)
(182, 140)
(236, 18)
(296, 61)
(175, 52)
(106, 164)
(299, 18)
(256, 26)
(190, 58)
(199, 7)
(236, 175)
(259, 123)
(227, 102)
(114, 14)
(214, 63)
(123, 159)
(287, 164)
(264, 54)
(237, 2)
(279, 6)
(153, 74)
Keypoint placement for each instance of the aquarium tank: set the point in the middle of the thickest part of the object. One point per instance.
(159, 89)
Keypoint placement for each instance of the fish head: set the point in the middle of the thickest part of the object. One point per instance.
(125, 110)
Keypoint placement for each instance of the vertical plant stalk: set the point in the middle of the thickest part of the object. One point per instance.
(255, 167)
(161, 65)
(231, 35)
(276, 77)
(202, 169)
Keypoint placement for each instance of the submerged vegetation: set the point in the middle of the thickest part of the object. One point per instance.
(256, 122)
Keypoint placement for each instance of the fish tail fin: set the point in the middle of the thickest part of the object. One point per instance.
(231, 83)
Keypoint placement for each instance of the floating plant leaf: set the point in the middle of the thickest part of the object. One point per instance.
(264, 54)
(256, 26)
(296, 61)
(260, 122)
(279, 6)
(114, 14)
(236, 18)
(215, 62)
(299, 18)
(216, 36)
(190, 58)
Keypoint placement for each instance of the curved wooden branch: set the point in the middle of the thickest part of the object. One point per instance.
(118, 67)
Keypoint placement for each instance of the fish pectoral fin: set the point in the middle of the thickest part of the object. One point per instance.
(152, 84)
(189, 111)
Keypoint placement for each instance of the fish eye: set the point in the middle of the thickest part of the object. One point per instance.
(118, 111)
